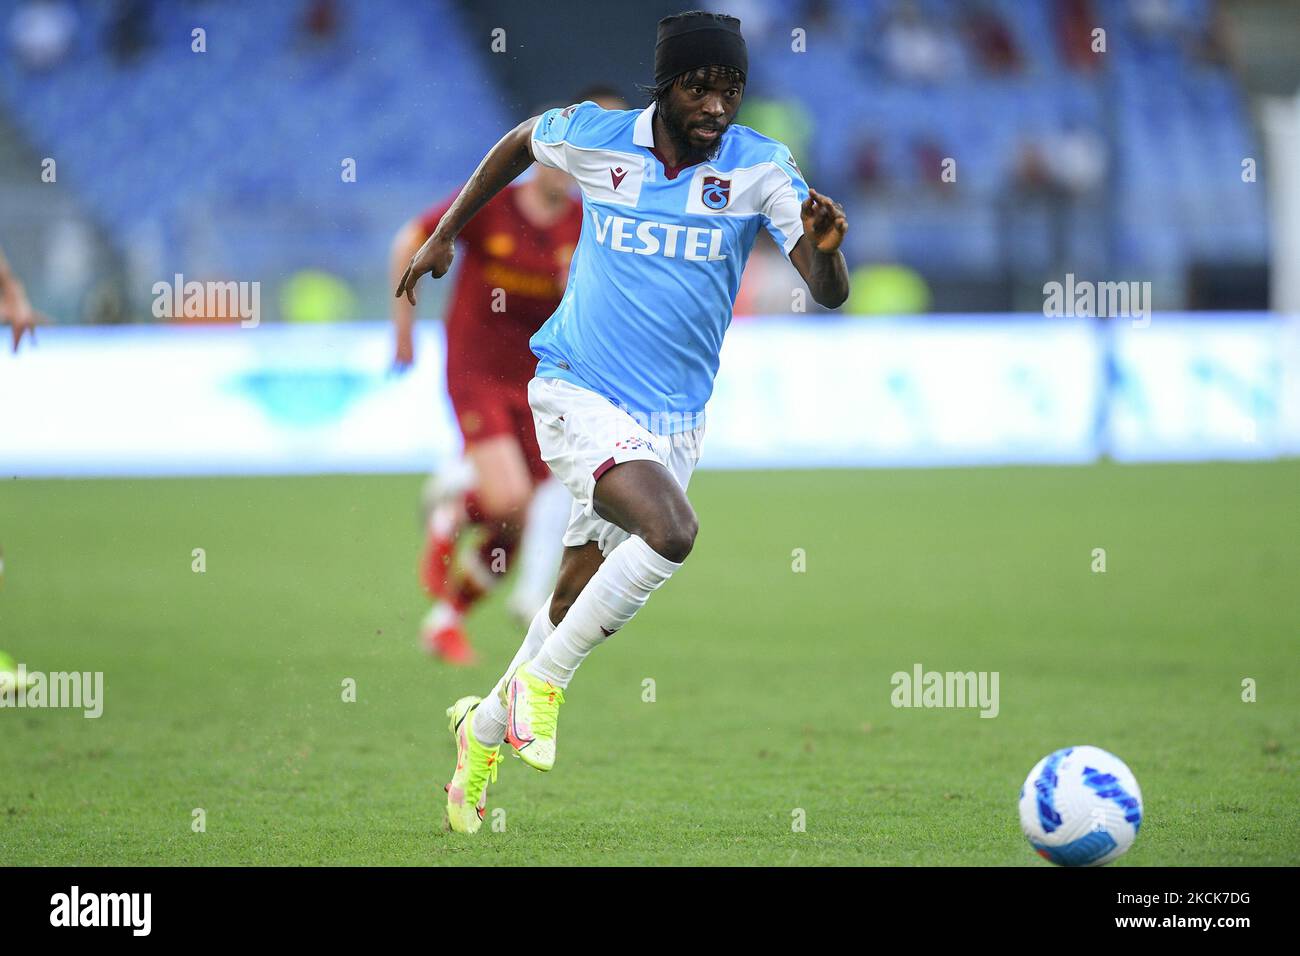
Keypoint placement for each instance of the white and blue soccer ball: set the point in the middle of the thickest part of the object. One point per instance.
(1080, 806)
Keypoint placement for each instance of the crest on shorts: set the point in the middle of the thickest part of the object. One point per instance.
(716, 192)
(470, 422)
(631, 444)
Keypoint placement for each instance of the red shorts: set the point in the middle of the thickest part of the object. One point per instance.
(489, 409)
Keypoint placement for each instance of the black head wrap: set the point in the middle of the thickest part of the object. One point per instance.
(689, 41)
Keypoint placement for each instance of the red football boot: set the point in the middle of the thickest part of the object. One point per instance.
(439, 550)
(444, 637)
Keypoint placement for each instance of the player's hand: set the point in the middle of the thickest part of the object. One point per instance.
(404, 356)
(434, 257)
(823, 221)
(23, 319)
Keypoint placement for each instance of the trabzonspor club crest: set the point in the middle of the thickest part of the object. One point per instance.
(716, 192)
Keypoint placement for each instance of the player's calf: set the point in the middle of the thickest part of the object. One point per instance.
(576, 568)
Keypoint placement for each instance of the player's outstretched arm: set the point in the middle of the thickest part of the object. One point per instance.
(501, 166)
(15, 310)
(817, 254)
(405, 245)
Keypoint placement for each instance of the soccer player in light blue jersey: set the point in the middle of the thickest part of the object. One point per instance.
(673, 197)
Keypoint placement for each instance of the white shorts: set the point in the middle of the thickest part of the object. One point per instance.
(582, 435)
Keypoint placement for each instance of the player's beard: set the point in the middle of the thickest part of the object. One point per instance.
(679, 133)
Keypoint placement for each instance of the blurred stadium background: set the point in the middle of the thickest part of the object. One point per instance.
(1168, 159)
(1164, 159)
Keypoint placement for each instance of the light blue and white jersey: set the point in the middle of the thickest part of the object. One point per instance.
(656, 272)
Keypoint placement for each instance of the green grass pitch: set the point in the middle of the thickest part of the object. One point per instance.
(223, 690)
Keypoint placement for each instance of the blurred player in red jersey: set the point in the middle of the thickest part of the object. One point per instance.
(515, 264)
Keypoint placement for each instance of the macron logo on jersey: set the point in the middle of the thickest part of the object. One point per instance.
(644, 237)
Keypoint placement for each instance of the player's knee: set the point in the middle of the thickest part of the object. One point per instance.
(505, 501)
(674, 538)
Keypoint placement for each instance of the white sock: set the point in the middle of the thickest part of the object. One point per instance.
(618, 589)
(489, 724)
(541, 547)
(439, 616)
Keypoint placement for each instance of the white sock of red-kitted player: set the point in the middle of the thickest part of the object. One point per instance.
(541, 548)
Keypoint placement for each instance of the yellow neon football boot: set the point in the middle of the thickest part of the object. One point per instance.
(532, 711)
(476, 767)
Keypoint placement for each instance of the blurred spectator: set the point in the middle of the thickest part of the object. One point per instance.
(756, 19)
(1032, 173)
(991, 40)
(129, 30)
(914, 48)
(320, 22)
(1076, 157)
(868, 169)
(1160, 26)
(41, 33)
(1070, 162)
(1156, 18)
(816, 16)
(1215, 46)
(1058, 182)
(928, 155)
(1075, 28)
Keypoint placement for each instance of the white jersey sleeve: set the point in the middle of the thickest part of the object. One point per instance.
(785, 193)
(558, 130)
